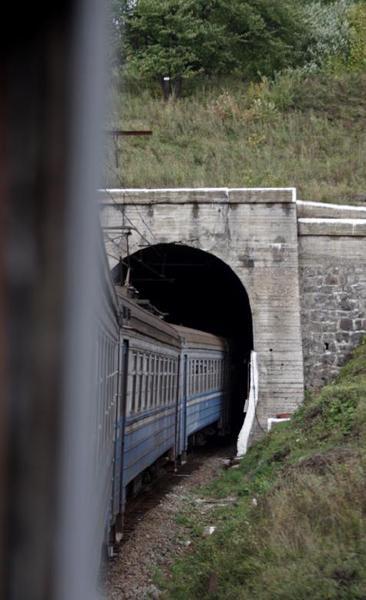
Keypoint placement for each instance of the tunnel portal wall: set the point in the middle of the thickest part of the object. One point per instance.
(253, 231)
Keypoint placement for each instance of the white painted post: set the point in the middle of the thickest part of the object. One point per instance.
(243, 439)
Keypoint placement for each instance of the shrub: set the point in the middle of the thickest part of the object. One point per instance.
(357, 50)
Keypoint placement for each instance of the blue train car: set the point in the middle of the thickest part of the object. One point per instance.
(204, 394)
(158, 385)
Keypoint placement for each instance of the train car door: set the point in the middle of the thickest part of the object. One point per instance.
(118, 489)
(184, 405)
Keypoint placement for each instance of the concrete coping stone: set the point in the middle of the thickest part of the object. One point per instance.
(332, 227)
(198, 196)
(325, 210)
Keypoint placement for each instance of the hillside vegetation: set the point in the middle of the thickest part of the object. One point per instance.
(241, 93)
(303, 131)
(292, 524)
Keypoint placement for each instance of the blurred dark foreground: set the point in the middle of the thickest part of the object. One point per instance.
(50, 115)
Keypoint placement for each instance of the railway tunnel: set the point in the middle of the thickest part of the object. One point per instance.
(196, 289)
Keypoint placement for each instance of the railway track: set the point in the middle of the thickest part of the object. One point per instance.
(152, 536)
(152, 493)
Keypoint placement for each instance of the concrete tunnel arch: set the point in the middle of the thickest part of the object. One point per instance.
(194, 288)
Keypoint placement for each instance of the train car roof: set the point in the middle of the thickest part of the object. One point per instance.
(145, 323)
(195, 338)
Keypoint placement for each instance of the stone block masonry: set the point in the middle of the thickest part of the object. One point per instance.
(332, 255)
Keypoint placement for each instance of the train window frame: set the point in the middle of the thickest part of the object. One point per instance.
(170, 388)
(133, 383)
(151, 385)
(147, 375)
(155, 387)
(139, 380)
(159, 383)
(165, 381)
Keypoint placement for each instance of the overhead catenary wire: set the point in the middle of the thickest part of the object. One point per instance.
(133, 226)
(137, 209)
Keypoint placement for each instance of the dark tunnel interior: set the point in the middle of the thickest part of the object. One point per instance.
(196, 289)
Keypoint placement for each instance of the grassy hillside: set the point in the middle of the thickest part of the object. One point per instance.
(303, 131)
(293, 523)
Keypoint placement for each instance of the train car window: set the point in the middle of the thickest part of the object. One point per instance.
(146, 380)
(142, 382)
(151, 384)
(134, 383)
(157, 387)
(134, 386)
(170, 371)
(191, 378)
(163, 382)
(156, 380)
(169, 381)
(175, 379)
(138, 382)
(158, 384)
(152, 375)
(172, 381)
(166, 391)
(169, 396)
(174, 371)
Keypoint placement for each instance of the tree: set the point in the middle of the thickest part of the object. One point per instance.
(177, 39)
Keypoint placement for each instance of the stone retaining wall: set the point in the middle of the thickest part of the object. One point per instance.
(332, 257)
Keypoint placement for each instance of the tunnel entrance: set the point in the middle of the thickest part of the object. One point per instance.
(196, 289)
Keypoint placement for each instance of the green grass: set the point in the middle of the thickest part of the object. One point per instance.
(296, 528)
(302, 131)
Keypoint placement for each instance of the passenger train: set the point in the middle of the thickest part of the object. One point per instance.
(158, 384)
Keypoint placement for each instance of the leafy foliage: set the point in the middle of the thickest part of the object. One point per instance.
(181, 39)
(330, 33)
(357, 53)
